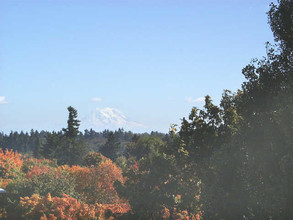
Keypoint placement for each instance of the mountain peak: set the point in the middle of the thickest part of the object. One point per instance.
(108, 118)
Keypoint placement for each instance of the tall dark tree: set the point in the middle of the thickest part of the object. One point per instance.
(72, 123)
(281, 22)
(72, 149)
(258, 161)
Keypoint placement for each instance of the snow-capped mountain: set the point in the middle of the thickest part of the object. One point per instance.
(108, 118)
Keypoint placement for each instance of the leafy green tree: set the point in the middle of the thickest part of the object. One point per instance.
(55, 182)
(199, 138)
(145, 183)
(143, 145)
(92, 159)
(236, 157)
(281, 22)
(252, 173)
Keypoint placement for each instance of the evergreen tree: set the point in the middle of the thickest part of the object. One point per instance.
(112, 147)
(72, 123)
(37, 148)
(50, 148)
(71, 149)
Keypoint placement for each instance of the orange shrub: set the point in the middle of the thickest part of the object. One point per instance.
(184, 215)
(36, 171)
(95, 183)
(65, 208)
(56, 207)
(10, 164)
(109, 174)
(118, 208)
(30, 163)
(165, 213)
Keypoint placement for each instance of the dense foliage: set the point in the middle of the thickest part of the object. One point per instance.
(39, 188)
(228, 161)
(232, 161)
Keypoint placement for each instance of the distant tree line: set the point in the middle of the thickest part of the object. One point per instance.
(69, 145)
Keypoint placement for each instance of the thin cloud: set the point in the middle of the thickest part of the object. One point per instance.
(96, 99)
(192, 100)
(3, 100)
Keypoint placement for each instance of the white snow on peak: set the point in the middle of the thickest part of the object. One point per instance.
(108, 118)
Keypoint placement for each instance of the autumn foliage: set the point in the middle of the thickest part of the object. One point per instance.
(10, 165)
(95, 183)
(48, 207)
(91, 191)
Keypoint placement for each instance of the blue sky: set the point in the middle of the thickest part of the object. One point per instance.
(150, 60)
